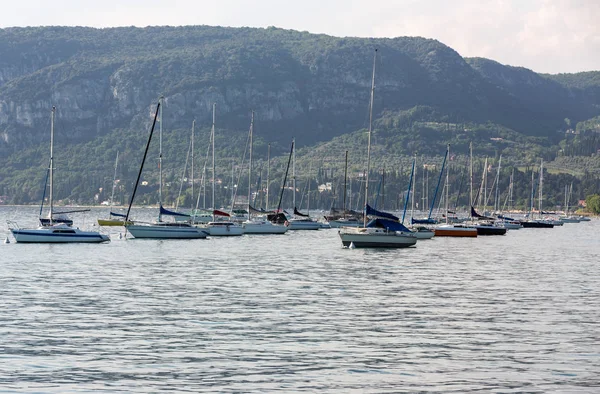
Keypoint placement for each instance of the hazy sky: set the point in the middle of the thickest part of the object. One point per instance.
(544, 35)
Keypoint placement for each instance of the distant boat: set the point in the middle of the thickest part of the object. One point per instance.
(385, 230)
(160, 229)
(530, 222)
(344, 217)
(114, 219)
(54, 232)
(300, 221)
(257, 225)
(214, 227)
(448, 229)
(421, 232)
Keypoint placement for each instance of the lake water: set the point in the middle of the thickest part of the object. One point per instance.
(298, 313)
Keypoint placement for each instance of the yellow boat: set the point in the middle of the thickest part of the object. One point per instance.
(112, 222)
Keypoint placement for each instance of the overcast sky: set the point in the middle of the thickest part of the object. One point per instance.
(550, 36)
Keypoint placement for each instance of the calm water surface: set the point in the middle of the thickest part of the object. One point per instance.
(298, 313)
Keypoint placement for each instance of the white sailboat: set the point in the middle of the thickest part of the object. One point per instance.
(258, 225)
(160, 229)
(224, 228)
(300, 221)
(385, 231)
(54, 232)
(421, 232)
(347, 218)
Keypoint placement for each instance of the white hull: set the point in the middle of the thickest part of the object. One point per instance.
(376, 238)
(224, 230)
(303, 225)
(424, 234)
(344, 223)
(166, 232)
(263, 227)
(58, 234)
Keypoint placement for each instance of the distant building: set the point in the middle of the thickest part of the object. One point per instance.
(581, 203)
(325, 187)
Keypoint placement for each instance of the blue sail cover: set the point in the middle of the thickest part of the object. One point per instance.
(119, 215)
(504, 217)
(423, 221)
(476, 215)
(381, 214)
(391, 225)
(163, 211)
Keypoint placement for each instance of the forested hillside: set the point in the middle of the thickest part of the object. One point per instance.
(105, 84)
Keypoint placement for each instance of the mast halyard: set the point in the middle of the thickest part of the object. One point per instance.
(160, 130)
(268, 175)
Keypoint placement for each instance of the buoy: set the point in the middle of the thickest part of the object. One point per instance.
(7, 241)
(352, 246)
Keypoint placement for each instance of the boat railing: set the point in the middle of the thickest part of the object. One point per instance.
(12, 225)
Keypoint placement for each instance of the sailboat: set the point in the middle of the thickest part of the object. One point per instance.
(530, 222)
(160, 229)
(347, 217)
(219, 227)
(54, 232)
(421, 232)
(257, 225)
(449, 229)
(384, 230)
(112, 216)
(300, 221)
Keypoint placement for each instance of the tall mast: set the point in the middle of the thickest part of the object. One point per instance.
(541, 185)
(412, 208)
(510, 189)
(497, 184)
(250, 164)
(294, 171)
(212, 133)
(345, 183)
(532, 195)
(470, 177)
(268, 175)
(192, 172)
(51, 163)
(369, 140)
(447, 183)
(308, 193)
(160, 130)
(112, 194)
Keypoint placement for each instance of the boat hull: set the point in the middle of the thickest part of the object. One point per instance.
(534, 224)
(303, 225)
(490, 230)
(112, 222)
(344, 223)
(451, 231)
(232, 230)
(163, 232)
(263, 228)
(47, 236)
(424, 234)
(377, 240)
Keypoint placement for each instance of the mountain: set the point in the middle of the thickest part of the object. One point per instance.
(106, 82)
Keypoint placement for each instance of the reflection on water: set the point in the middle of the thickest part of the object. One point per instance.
(297, 313)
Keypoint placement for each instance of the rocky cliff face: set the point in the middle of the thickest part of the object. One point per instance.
(299, 84)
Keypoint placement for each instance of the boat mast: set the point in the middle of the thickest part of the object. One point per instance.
(250, 164)
(160, 129)
(142, 166)
(51, 197)
(410, 184)
(212, 133)
(541, 185)
(414, 191)
(447, 183)
(345, 184)
(471, 180)
(112, 194)
(192, 171)
(294, 172)
(369, 140)
(268, 175)
(497, 185)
